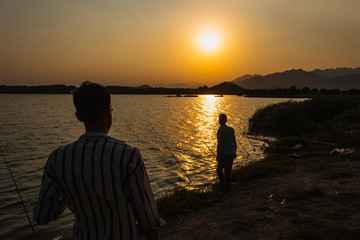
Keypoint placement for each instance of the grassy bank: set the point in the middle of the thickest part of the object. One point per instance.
(327, 115)
(301, 190)
(317, 125)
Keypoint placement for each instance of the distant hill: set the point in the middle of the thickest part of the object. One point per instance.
(143, 87)
(297, 78)
(226, 88)
(323, 81)
(337, 72)
(42, 89)
(340, 78)
(247, 76)
(351, 81)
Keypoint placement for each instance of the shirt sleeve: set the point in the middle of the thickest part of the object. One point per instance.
(220, 145)
(141, 197)
(235, 144)
(50, 204)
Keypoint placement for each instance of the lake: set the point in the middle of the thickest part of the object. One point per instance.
(34, 125)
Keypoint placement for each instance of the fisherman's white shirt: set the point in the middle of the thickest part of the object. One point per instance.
(226, 141)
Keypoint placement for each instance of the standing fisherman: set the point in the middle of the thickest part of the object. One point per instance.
(101, 179)
(226, 151)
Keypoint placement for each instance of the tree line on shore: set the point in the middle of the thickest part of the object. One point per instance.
(225, 88)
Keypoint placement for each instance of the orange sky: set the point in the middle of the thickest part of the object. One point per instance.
(133, 42)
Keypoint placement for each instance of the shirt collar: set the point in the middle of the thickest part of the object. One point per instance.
(98, 134)
(94, 134)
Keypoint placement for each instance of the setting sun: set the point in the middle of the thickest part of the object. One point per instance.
(209, 41)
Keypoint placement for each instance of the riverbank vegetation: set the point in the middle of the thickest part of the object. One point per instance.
(330, 118)
(307, 186)
(225, 88)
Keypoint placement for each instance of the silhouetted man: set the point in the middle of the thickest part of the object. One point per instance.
(101, 179)
(226, 151)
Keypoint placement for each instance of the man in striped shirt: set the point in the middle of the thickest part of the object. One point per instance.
(101, 179)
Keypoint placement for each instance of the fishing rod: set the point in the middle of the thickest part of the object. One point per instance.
(210, 148)
(203, 141)
(243, 120)
(248, 154)
(242, 147)
(176, 159)
(18, 191)
(244, 134)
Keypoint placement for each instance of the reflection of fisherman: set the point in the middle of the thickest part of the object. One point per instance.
(226, 151)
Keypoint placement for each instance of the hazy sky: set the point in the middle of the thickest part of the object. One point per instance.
(134, 42)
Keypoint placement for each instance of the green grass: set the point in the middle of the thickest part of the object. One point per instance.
(182, 200)
(272, 165)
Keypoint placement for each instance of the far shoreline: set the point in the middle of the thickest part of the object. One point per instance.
(225, 88)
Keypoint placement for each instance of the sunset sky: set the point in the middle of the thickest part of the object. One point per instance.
(166, 42)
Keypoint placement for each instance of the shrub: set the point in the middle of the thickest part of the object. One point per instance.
(297, 118)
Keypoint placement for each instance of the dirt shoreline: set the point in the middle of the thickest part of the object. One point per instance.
(317, 198)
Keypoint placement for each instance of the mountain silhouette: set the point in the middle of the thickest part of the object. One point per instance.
(226, 88)
(246, 77)
(346, 82)
(340, 78)
(337, 72)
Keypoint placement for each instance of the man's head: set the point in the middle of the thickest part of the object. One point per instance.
(222, 119)
(92, 102)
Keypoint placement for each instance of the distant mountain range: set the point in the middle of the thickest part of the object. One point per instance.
(297, 81)
(339, 78)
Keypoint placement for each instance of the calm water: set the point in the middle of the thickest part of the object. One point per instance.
(31, 126)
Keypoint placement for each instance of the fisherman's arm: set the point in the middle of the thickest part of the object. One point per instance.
(142, 200)
(50, 204)
(220, 144)
(235, 144)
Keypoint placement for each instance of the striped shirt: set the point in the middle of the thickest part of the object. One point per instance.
(104, 183)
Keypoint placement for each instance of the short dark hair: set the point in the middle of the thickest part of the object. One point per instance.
(222, 118)
(91, 100)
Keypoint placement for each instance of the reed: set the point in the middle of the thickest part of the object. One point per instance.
(292, 118)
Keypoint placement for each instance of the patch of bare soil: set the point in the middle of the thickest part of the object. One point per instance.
(319, 198)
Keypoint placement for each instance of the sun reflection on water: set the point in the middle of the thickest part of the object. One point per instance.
(202, 124)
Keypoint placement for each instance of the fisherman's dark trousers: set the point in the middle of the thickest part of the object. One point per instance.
(225, 163)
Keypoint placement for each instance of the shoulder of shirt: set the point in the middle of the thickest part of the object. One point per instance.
(61, 148)
(222, 128)
(111, 139)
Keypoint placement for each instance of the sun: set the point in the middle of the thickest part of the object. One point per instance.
(209, 41)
